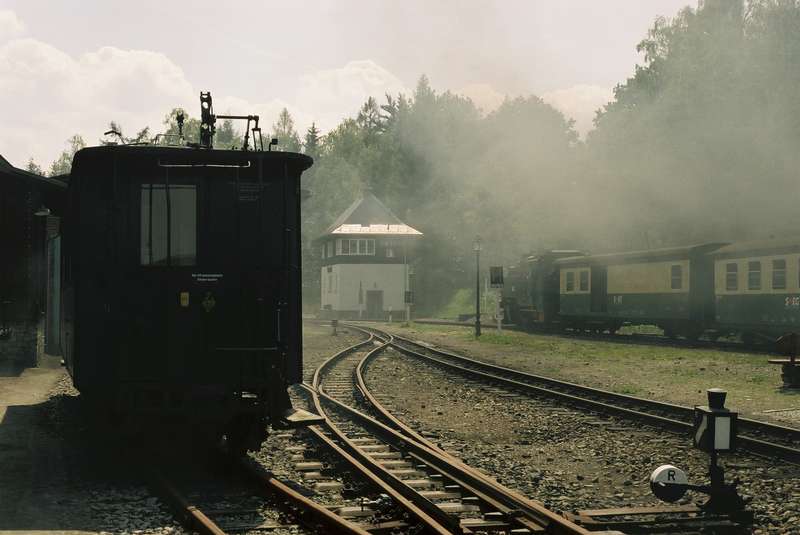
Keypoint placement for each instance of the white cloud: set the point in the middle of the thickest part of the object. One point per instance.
(579, 102)
(331, 95)
(10, 25)
(485, 97)
(49, 95)
(53, 95)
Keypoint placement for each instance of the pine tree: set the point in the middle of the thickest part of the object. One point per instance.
(34, 168)
(312, 142)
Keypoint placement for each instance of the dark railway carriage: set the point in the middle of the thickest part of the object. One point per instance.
(757, 287)
(530, 294)
(672, 288)
(182, 285)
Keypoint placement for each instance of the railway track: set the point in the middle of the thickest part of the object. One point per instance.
(249, 500)
(438, 491)
(755, 436)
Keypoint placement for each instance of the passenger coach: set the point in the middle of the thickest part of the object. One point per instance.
(182, 286)
(758, 287)
(672, 288)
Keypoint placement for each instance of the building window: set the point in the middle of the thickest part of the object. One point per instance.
(330, 249)
(732, 277)
(779, 274)
(389, 251)
(338, 247)
(360, 247)
(754, 275)
(323, 251)
(583, 283)
(676, 277)
(570, 281)
(180, 226)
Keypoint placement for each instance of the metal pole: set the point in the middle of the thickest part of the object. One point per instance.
(477, 292)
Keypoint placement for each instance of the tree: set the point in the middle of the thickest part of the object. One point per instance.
(63, 164)
(311, 145)
(283, 129)
(115, 130)
(33, 167)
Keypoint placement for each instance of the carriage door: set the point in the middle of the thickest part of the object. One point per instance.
(599, 290)
(170, 217)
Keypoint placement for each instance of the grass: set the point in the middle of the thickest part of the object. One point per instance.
(674, 374)
(462, 302)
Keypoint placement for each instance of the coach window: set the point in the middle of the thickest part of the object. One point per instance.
(779, 274)
(676, 277)
(754, 275)
(732, 277)
(168, 240)
(570, 281)
(583, 283)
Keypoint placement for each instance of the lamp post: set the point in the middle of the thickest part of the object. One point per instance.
(476, 246)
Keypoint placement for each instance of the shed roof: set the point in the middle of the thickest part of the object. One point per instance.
(368, 215)
(7, 169)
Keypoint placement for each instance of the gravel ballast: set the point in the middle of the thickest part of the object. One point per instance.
(567, 459)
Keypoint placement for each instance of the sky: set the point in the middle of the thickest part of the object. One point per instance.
(71, 67)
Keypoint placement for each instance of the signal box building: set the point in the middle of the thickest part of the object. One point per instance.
(365, 262)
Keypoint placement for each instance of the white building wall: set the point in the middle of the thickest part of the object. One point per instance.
(340, 286)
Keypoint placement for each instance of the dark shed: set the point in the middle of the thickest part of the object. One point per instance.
(31, 207)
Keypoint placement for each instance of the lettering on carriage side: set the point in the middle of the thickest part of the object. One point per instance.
(207, 277)
(792, 302)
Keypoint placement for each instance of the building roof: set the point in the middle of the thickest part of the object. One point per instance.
(7, 169)
(368, 215)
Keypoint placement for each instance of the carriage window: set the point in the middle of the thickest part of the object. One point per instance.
(732, 277)
(779, 274)
(583, 284)
(570, 281)
(180, 226)
(754, 275)
(676, 277)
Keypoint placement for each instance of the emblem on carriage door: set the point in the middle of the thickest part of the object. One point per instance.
(209, 302)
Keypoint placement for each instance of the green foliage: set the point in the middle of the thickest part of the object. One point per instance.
(283, 129)
(33, 167)
(446, 170)
(63, 164)
(701, 143)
